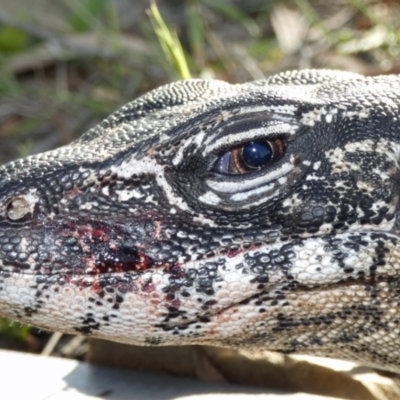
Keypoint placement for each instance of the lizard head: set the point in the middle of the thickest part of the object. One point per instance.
(254, 215)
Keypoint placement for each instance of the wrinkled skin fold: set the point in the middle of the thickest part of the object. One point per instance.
(132, 234)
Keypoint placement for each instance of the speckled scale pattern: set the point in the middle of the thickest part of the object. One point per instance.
(130, 234)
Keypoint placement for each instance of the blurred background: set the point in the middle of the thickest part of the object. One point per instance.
(67, 64)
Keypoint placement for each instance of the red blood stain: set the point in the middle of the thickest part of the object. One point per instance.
(155, 301)
(71, 194)
(234, 253)
(176, 271)
(176, 303)
(125, 287)
(96, 288)
(148, 287)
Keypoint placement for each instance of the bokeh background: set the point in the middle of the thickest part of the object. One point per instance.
(67, 64)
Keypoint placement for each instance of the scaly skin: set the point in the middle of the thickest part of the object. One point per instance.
(132, 233)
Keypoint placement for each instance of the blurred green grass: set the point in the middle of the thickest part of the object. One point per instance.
(58, 80)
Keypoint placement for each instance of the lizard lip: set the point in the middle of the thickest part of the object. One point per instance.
(82, 248)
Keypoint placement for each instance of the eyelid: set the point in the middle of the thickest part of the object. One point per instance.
(268, 132)
(220, 183)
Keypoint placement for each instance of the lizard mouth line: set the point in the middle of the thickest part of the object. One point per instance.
(104, 259)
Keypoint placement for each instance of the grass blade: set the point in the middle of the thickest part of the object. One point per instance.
(169, 42)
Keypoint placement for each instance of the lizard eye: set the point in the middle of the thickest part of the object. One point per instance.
(250, 157)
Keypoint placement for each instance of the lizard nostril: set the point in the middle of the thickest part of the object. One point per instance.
(18, 208)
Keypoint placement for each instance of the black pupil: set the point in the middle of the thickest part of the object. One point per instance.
(257, 154)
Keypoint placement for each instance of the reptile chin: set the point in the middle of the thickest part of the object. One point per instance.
(256, 215)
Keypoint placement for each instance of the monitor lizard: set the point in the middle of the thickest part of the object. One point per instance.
(259, 215)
